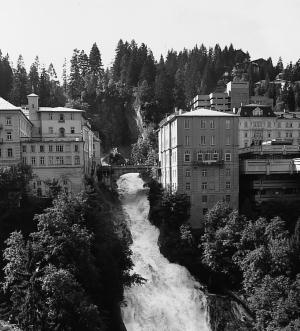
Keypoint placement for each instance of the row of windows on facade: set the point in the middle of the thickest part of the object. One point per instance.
(287, 134)
(205, 139)
(61, 117)
(204, 185)
(58, 160)
(206, 156)
(58, 148)
(204, 172)
(61, 132)
(206, 124)
(260, 124)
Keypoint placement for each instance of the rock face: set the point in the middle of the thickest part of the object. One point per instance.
(226, 314)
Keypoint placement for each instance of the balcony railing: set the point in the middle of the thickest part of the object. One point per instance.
(197, 163)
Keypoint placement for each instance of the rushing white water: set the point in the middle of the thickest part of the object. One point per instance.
(170, 300)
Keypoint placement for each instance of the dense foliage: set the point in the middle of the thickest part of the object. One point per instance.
(65, 268)
(258, 259)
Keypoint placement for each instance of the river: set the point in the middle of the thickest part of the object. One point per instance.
(170, 300)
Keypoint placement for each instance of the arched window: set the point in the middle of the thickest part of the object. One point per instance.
(61, 132)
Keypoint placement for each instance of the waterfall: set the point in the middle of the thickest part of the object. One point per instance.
(171, 299)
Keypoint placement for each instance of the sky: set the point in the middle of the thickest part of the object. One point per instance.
(52, 29)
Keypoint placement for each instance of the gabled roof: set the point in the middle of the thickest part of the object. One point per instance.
(60, 109)
(206, 112)
(5, 105)
(32, 95)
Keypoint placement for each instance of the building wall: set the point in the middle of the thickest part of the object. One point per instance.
(238, 93)
(205, 182)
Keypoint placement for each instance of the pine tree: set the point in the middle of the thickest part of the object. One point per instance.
(34, 76)
(19, 91)
(6, 77)
(76, 82)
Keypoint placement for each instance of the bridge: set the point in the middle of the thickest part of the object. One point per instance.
(109, 174)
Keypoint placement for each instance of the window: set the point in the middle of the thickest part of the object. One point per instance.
(227, 172)
(188, 186)
(204, 211)
(216, 156)
(204, 198)
(38, 183)
(199, 157)
(24, 148)
(227, 185)
(204, 172)
(227, 198)
(72, 129)
(202, 124)
(71, 116)
(42, 160)
(202, 140)
(9, 152)
(59, 148)
(32, 148)
(50, 129)
(61, 118)
(187, 140)
(8, 120)
(246, 124)
(76, 148)
(39, 191)
(228, 157)
(8, 135)
(204, 186)
(65, 182)
(77, 159)
(24, 160)
(278, 134)
(187, 156)
(289, 134)
(42, 149)
(33, 160)
(51, 160)
(59, 160)
(212, 124)
(227, 124)
(50, 116)
(279, 125)
(246, 134)
(186, 124)
(212, 140)
(269, 124)
(227, 140)
(269, 134)
(62, 132)
(50, 148)
(187, 173)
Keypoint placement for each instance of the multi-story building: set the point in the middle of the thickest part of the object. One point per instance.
(215, 101)
(258, 124)
(14, 126)
(56, 142)
(238, 91)
(198, 154)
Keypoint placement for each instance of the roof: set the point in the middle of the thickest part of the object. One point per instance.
(60, 109)
(256, 110)
(32, 95)
(5, 105)
(206, 112)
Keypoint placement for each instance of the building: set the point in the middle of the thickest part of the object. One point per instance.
(261, 100)
(214, 101)
(198, 155)
(56, 142)
(258, 124)
(238, 91)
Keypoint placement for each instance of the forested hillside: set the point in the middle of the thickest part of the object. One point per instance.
(137, 82)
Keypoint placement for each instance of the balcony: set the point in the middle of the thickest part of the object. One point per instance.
(267, 167)
(208, 163)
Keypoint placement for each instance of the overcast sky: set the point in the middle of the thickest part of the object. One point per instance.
(53, 28)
